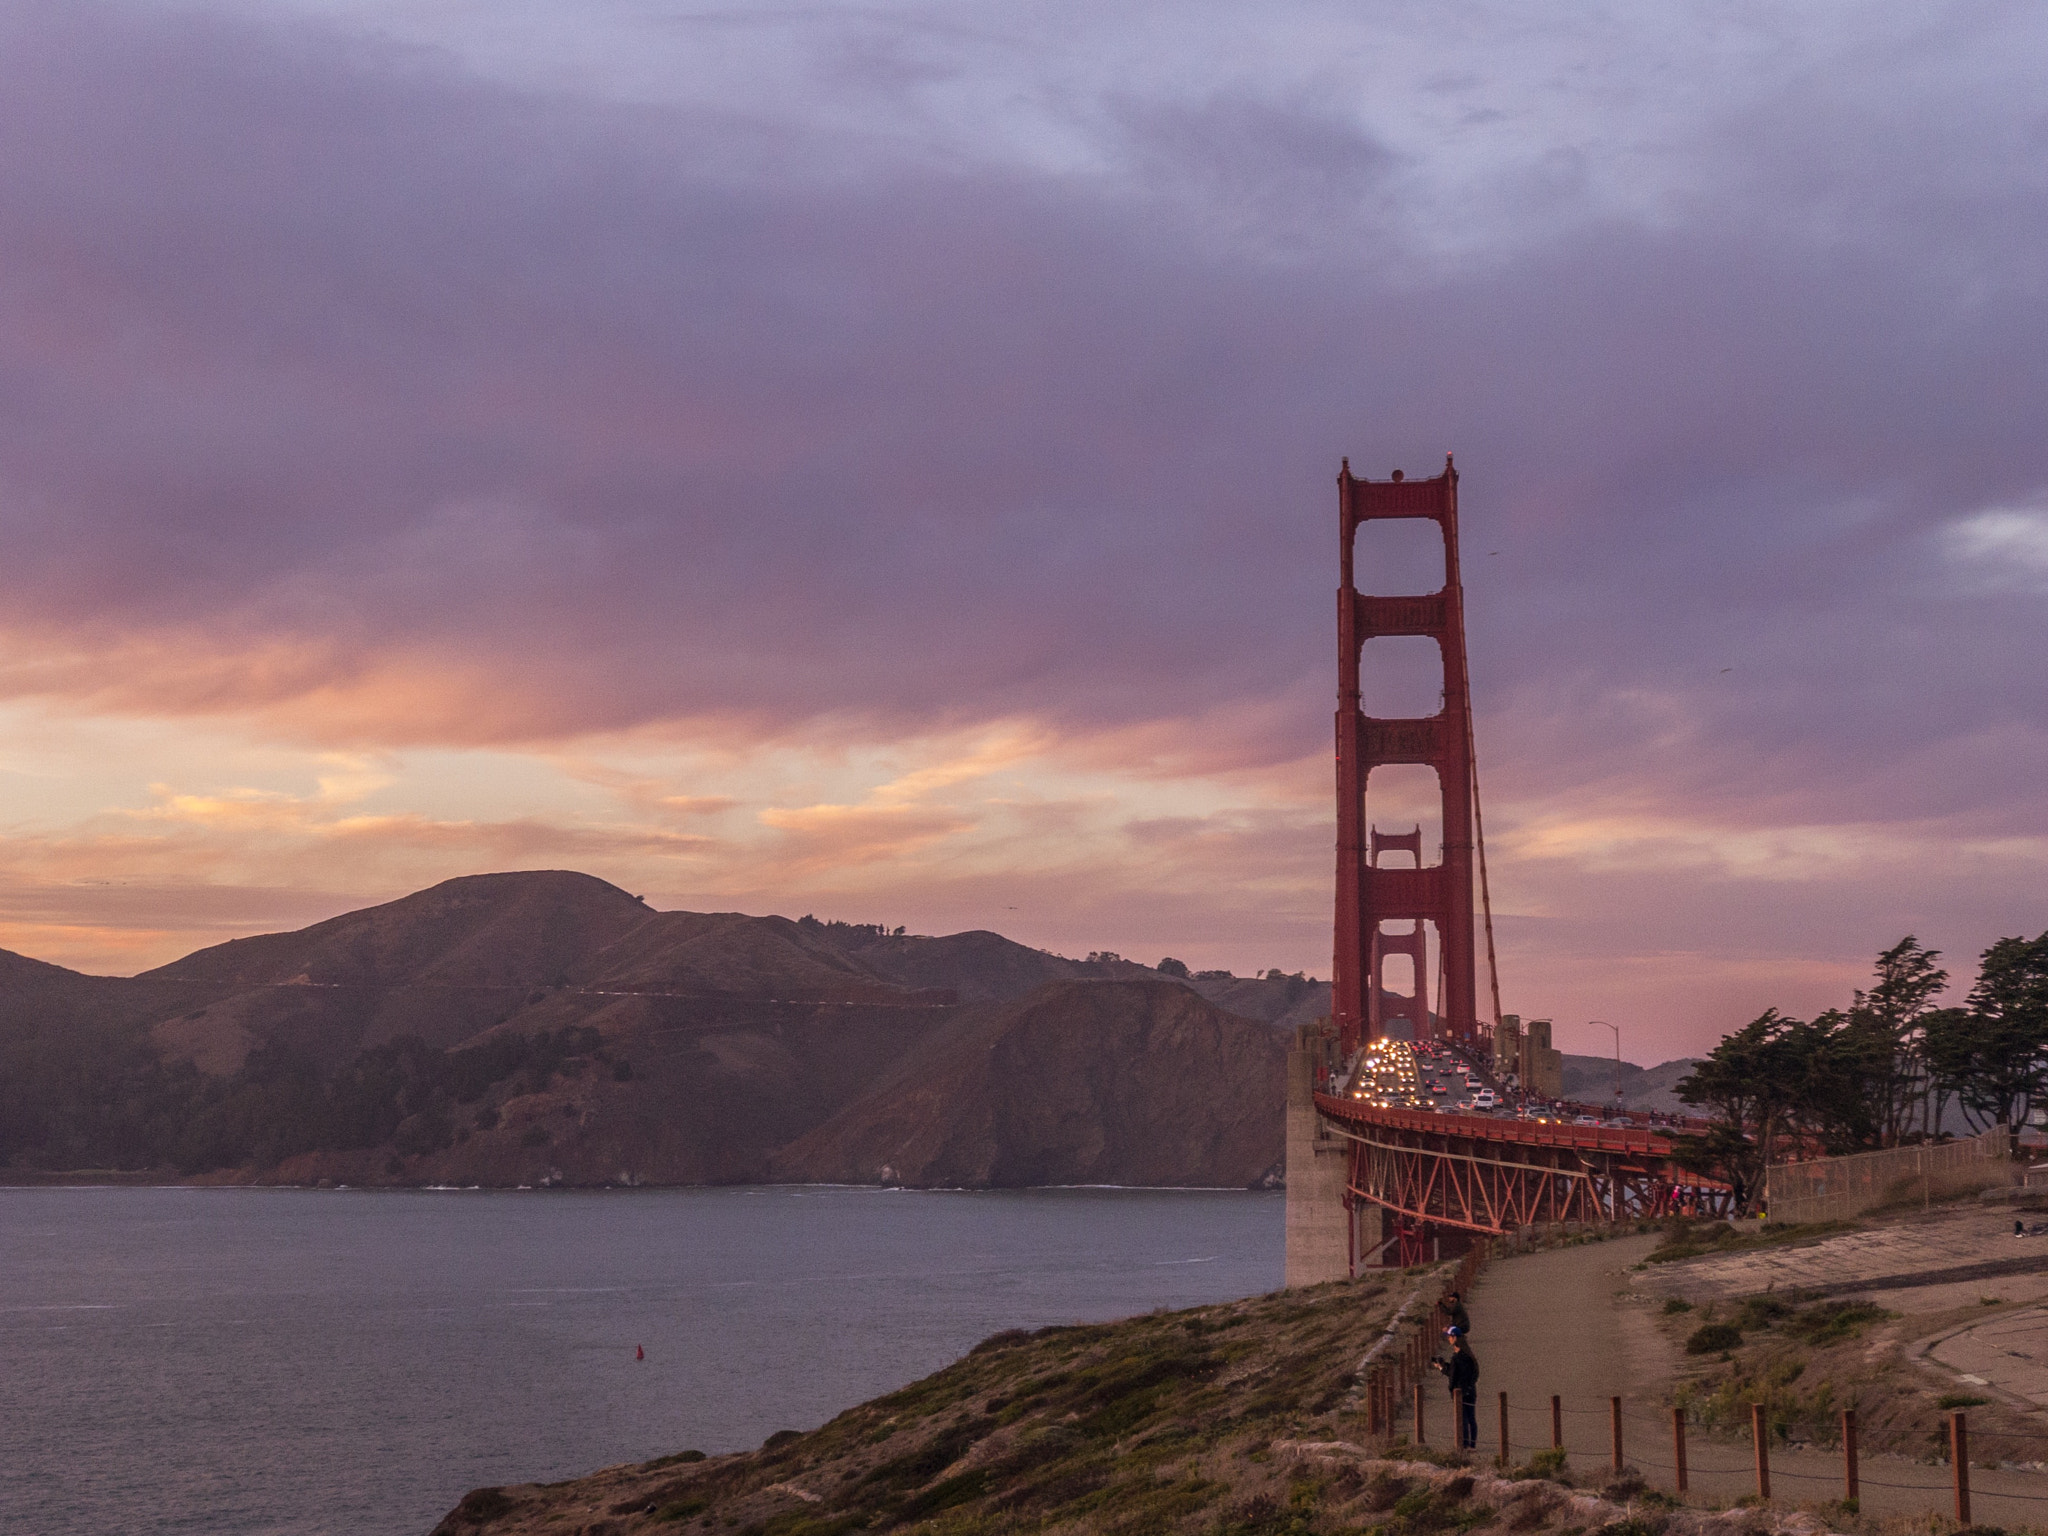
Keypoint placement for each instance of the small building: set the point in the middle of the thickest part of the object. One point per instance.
(1524, 1049)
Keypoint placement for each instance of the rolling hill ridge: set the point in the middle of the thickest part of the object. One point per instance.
(549, 1028)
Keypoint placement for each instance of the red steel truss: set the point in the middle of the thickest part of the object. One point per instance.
(1491, 1176)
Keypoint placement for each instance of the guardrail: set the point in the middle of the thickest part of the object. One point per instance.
(1525, 1132)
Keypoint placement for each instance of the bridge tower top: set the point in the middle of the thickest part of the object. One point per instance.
(1440, 894)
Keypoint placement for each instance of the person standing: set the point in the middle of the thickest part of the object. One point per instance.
(1455, 1315)
(1463, 1371)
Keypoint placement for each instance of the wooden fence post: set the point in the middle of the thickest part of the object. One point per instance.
(1420, 1438)
(1849, 1455)
(1763, 1450)
(1959, 1459)
(1504, 1457)
(1678, 1444)
(1614, 1412)
(1556, 1422)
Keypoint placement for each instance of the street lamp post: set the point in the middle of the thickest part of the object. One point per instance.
(1602, 1023)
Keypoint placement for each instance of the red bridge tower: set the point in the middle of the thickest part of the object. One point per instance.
(1370, 896)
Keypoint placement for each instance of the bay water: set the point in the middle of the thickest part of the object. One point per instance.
(253, 1361)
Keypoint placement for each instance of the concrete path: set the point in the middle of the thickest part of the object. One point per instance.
(1568, 1321)
(1956, 1237)
(2009, 1353)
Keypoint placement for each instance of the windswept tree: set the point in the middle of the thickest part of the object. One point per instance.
(1841, 1068)
(1747, 1085)
(1859, 1078)
(1886, 1026)
(1993, 1054)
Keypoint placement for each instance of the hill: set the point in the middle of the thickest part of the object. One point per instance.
(1591, 1079)
(548, 1027)
(1125, 1082)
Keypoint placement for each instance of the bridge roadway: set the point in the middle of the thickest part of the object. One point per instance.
(1492, 1176)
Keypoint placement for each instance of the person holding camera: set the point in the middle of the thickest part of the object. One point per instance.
(1462, 1370)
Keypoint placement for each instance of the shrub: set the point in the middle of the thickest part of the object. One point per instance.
(536, 1136)
(670, 1461)
(1954, 1400)
(1833, 1321)
(1674, 1305)
(1712, 1338)
(483, 1504)
(1622, 1489)
(1550, 1465)
(1761, 1312)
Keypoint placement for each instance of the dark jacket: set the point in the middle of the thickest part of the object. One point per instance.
(1456, 1316)
(1463, 1369)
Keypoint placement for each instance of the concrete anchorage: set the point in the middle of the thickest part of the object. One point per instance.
(1326, 1237)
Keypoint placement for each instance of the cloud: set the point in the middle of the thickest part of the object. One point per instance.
(2001, 549)
(954, 397)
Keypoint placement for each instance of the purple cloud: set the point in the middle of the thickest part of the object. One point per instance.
(411, 405)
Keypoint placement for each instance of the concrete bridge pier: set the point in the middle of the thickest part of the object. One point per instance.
(1325, 1238)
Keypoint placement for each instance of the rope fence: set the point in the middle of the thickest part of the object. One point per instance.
(1626, 1428)
(1390, 1385)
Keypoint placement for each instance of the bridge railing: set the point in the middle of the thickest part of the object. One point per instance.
(1491, 1128)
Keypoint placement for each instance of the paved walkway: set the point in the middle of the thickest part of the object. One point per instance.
(1954, 1238)
(2009, 1353)
(1567, 1321)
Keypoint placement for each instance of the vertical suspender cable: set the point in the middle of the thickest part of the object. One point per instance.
(1479, 830)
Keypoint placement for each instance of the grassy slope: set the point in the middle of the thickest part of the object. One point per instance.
(1806, 1359)
(1231, 1420)
(1155, 1424)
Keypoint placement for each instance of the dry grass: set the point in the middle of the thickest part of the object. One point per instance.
(1232, 1420)
(1805, 1361)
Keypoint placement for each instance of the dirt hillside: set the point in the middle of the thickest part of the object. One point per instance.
(546, 1027)
(1128, 1082)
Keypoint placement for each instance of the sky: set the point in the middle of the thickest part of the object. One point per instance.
(879, 460)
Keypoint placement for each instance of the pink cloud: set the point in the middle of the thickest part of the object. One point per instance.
(368, 402)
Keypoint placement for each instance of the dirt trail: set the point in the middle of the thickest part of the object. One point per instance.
(1563, 1322)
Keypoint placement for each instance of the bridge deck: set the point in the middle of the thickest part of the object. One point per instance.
(1528, 1133)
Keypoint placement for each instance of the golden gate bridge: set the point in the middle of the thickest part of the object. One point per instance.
(1370, 1181)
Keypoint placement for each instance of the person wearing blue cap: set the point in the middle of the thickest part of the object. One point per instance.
(1462, 1370)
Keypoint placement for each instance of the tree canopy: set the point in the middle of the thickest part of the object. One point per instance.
(1881, 1071)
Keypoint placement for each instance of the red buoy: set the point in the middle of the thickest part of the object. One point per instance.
(639, 1353)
